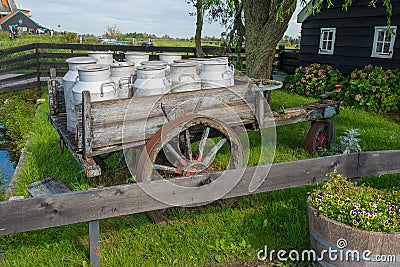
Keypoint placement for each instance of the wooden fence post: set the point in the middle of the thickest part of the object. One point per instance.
(94, 243)
(39, 89)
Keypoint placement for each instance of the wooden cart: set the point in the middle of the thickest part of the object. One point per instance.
(154, 121)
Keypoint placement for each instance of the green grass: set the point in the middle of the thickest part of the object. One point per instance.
(203, 236)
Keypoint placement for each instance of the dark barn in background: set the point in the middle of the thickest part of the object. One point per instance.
(352, 39)
(19, 19)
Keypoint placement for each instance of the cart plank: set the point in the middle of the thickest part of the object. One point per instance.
(135, 120)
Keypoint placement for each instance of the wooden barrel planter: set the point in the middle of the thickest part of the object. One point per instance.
(351, 246)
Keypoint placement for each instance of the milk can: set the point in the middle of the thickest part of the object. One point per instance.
(155, 63)
(229, 68)
(184, 77)
(103, 57)
(69, 81)
(184, 60)
(158, 63)
(214, 74)
(199, 62)
(169, 58)
(96, 79)
(136, 57)
(122, 75)
(151, 80)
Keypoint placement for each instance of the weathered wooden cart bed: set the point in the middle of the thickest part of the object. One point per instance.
(112, 125)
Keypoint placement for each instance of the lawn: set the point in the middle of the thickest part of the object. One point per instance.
(203, 236)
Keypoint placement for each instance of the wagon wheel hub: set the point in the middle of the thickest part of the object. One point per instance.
(321, 139)
(169, 152)
(193, 168)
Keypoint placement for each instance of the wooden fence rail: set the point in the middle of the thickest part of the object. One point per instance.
(95, 204)
(28, 66)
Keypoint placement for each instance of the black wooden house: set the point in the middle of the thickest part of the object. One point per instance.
(352, 39)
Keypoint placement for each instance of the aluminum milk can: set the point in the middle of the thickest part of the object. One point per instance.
(184, 77)
(69, 80)
(151, 80)
(122, 74)
(96, 79)
(103, 57)
(169, 58)
(214, 74)
(136, 57)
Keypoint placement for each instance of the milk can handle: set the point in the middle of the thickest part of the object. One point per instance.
(199, 69)
(166, 81)
(77, 79)
(186, 74)
(227, 72)
(128, 81)
(133, 78)
(112, 84)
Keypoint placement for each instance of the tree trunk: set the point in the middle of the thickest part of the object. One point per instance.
(264, 30)
(199, 28)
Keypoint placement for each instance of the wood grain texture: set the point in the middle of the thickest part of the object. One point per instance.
(128, 199)
(133, 121)
(87, 126)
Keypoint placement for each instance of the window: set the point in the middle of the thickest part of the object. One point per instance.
(384, 41)
(327, 41)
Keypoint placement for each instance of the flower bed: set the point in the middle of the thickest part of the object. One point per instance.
(358, 224)
(363, 207)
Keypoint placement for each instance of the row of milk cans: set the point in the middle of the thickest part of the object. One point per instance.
(137, 76)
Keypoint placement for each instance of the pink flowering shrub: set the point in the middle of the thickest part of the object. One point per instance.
(314, 80)
(373, 89)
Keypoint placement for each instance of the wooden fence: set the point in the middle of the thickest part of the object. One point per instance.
(28, 66)
(96, 204)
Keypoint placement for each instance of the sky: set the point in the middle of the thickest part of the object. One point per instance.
(158, 17)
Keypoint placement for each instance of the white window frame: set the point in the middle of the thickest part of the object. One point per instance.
(382, 54)
(322, 41)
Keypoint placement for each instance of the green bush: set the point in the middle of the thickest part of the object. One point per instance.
(314, 80)
(373, 89)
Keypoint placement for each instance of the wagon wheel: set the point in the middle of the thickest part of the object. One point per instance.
(177, 139)
(320, 135)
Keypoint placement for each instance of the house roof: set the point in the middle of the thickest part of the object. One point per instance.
(24, 13)
(5, 18)
(303, 14)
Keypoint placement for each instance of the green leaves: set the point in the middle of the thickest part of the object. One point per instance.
(372, 88)
(314, 80)
(225, 248)
(360, 206)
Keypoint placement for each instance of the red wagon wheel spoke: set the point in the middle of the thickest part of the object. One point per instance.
(213, 152)
(202, 144)
(179, 160)
(188, 145)
(169, 151)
